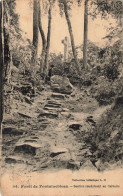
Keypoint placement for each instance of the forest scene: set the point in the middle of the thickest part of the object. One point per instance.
(62, 85)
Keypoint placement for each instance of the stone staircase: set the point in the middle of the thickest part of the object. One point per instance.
(50, 143)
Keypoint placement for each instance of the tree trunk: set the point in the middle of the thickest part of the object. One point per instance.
(43, 40)
(71, 36)
(6, 55)
(1, 63)
(46, 66)
(6, 37)
(85, 34)
(35, 31)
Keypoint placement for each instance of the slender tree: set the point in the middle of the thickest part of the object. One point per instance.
(63, 4)
(48, 37)
(85, 34)
(35, 31)
(1, 63)
(44, 42)
(44, 64)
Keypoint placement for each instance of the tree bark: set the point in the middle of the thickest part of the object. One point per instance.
(71, 36)
(1, 63)
(85, 34)
(41, 28)
(35, 31)
(43, 40)
(46, 67)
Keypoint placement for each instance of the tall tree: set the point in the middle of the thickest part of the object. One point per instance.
(44, 64)
(1, 63)
(63, 4)
(35, 31)
(9, 28)
(44, 42)
(85, 33)
(113, 8)
(48, 37)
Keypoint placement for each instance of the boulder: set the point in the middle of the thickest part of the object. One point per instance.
(88, 166)
(57, 151)
(12, 131)
(87, 83)
(75, 126)
(27, 147)
(66, 114)
(14, 160)
(90, 120)
(61, 84)
(27, 89)
(118, 102)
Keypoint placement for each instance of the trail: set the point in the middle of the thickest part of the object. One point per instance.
(44, 134)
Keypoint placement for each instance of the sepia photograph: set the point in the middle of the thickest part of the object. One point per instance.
(61, 97)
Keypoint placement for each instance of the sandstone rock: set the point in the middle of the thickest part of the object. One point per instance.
(48, 114)
(13, 159)
(65, 110)
(27, 100)
(86, 151)
(27, 147)
(52, 109)
(61, 84)
(13, 131)
(56, 151)
(53, 102)
(98, 164)
(75, 126)
(26, 88)
(58, 96)
(66, 114)
(87, 83)
(73, 165)
(118, 102)
(90, 120)
(25, 115)
(53, 105)
(88, 166)
(102, 166)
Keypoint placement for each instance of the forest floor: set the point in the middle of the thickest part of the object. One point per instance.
(50, 131)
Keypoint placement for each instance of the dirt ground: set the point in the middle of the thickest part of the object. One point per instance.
(50, 131)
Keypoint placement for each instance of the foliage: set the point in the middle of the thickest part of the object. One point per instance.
(106, 90)
(107, 7)
(109, 132)
(11, 16)
(111, 72)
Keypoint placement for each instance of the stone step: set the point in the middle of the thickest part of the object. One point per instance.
(53, 105)
(62, 91)
(58, 95)
(54, 102)
(27, 147)
(48, 114)
(52, 109)
(12, 131)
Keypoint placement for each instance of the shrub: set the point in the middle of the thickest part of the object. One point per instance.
(105, 98)
(111, 72)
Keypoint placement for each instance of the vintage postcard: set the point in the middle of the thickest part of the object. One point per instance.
(61, 94)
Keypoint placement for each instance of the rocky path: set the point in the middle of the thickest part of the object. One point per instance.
(44, 134)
